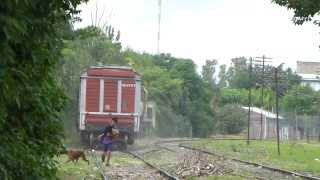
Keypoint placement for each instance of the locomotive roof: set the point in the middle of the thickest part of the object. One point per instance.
(111, 67)
(111, 71)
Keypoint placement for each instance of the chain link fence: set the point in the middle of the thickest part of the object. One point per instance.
(295, 126)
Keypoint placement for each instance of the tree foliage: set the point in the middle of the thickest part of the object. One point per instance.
(304, 10)
(208, 71)
(87, 47)
(172, 83)
(231, 119)
(183, 96)
(302, 99)
(30, 101)
(222, 76)
(238, 73)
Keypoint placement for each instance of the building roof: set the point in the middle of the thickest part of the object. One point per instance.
(309, 61)
(267, 114)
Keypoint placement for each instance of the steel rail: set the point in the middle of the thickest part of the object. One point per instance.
(99, 165)
(161, 171)
(253, 163)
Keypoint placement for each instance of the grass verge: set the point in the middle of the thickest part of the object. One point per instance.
(300, 157)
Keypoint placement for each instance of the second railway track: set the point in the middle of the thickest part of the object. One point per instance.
(163, 144)
(291, 173)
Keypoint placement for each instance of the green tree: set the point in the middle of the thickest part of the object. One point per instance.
(208, 71)
(287, 78)
(238, 73)
(231, 119)
(88, 46)
(30, 101)
(171, 124)
(164, 88)
(300, 99)
(182, 96)
(304, 10)
(199, 94)
(222, 76)
(234, 96)
(303, 101)
(268, 98)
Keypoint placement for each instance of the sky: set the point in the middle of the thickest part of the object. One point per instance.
(208, 29)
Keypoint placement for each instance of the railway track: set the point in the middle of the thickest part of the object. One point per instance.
(161, 171)
(291, 173)
(103, 173)
(173, 147)
(99, 165)
(178, 146)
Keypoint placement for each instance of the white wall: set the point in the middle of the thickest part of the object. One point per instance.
(314, 85)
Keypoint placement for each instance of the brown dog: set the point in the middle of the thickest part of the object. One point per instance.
(75, 155)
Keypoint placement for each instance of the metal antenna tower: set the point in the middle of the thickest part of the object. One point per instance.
(159, 26)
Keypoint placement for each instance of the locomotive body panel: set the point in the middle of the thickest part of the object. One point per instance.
(110, 92)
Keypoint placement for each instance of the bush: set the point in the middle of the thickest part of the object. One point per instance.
(30, 98)
(170, 124)
(231, 119)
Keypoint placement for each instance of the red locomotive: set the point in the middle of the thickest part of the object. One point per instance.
(107, 92)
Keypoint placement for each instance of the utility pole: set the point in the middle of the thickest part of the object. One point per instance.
(262, 93)
(159, 26)
(249, 105)
(277, 107)
(275, 79)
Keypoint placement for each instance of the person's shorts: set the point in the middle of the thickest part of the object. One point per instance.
(107, 147)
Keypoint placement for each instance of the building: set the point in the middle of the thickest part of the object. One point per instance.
(269, 124)
(313, 80)
(308, 67)
(309, 73)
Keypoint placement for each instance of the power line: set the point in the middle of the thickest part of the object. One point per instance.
(262, 90)
(277, 72)
(276, 80)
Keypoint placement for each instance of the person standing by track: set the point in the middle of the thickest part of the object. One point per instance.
(106, 139)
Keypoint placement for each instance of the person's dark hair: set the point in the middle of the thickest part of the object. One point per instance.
(115, 120)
